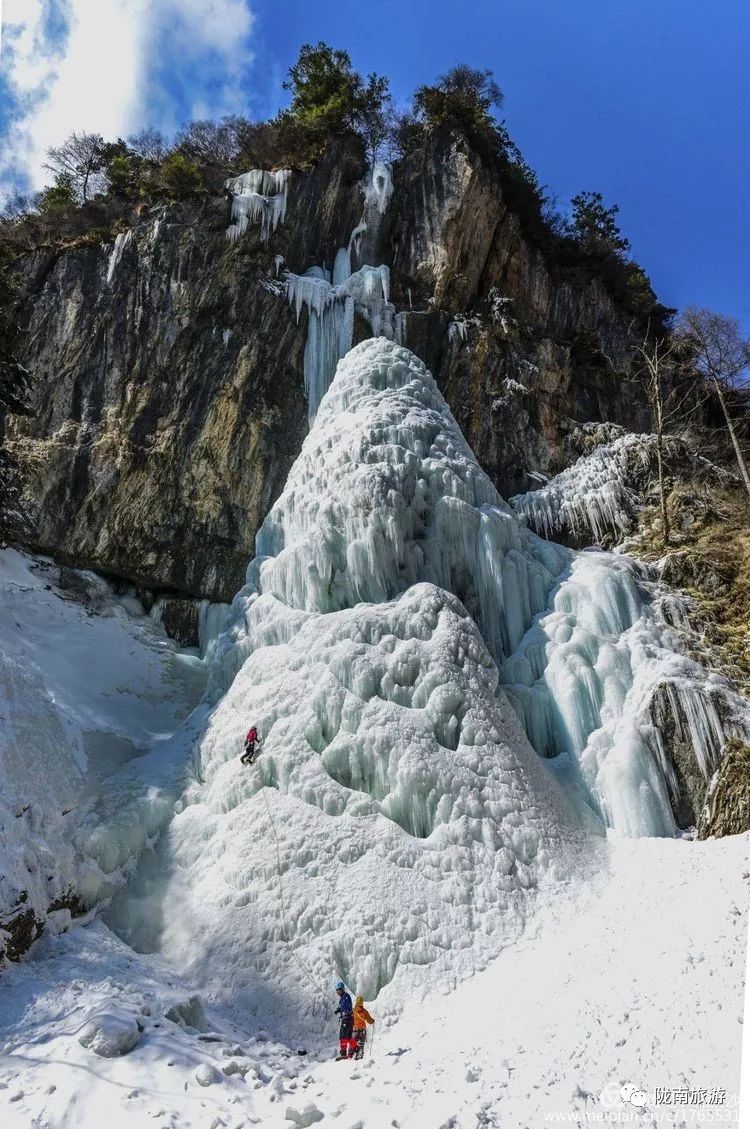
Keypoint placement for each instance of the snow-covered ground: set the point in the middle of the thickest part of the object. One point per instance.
(628, 984)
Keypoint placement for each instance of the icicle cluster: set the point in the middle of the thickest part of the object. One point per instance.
(594, 499)
(591, 500)
(331, 307)
(258, 197)
(333, 298)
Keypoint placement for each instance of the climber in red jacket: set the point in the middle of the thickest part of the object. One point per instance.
(253, 742)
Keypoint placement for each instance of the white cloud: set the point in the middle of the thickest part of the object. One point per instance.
(110, 66)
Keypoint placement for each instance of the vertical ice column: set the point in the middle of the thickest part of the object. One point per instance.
(333, 299)
(331, 307)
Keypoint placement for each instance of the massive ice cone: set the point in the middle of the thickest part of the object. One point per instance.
(413, 816)
(395, 610)
(386, 492)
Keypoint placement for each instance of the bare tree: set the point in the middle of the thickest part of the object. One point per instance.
(655, 355)
(150, 144)
(80, 157)
(210, 143)
(722, 356)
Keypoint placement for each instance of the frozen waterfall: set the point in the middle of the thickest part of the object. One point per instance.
(333, 298)
(386, 494)
(451, 707)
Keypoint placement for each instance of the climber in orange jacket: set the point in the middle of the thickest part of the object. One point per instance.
(359, 1034)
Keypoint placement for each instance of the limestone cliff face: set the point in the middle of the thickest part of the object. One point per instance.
(167, 371)
(540, 352)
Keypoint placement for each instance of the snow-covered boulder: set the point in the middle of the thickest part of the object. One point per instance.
(206, 1074)
(112, 1031)
(188, 1013)
(310, 1115)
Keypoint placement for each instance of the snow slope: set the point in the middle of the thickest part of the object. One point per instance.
(88, 685)
(632, 981)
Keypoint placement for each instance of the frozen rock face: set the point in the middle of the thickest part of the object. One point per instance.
(168, 370)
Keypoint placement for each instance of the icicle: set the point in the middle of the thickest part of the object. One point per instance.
(331, 309)
(342, 267)
(333, 300)
(258, 196)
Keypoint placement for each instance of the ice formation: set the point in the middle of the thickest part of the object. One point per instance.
(594, 499)
(398, 626)
(413, 817)
(378, 187)
(258, 197)
(331, 308)
(586, 681)
(386, 493)
(121, 242)
(87, 687)
(392, 767)
(332, 299)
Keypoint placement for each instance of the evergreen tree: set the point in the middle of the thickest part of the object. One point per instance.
(595, 226)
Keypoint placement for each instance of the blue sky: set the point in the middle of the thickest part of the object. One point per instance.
(646, 101)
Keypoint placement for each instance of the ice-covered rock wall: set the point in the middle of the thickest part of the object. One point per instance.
(596, 500)
(593, 500)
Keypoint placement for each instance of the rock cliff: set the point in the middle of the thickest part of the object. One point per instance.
(166, 367)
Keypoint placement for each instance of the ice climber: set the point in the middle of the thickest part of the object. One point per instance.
(253, 742)
(361, 1017)
(347, 1043)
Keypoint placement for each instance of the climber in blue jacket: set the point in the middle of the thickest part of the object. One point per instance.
(347, 1044)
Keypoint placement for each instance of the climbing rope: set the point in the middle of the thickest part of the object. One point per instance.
(284, 930)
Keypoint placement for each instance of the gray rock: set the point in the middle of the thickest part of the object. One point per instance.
(727, 808)
(168, 397)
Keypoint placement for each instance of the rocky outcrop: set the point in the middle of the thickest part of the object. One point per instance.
(23, 925)
(727, 810)
(168, 393)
